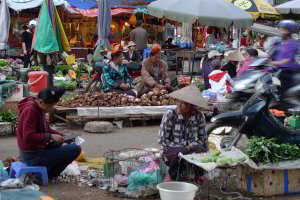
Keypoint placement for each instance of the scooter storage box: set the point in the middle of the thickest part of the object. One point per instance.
(268, 182)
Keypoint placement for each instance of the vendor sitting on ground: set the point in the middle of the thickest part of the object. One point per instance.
(155, 71)
(116, 76)
(208, 68)
(220, 81)
(39, 145)
(231, 67)
(183, 130)
(250, 55)
(131, 55)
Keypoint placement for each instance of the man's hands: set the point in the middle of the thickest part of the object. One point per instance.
(57, 138)
(125, 86)
(25, 52)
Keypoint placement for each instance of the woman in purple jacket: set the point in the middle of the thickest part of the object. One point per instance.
(285, 55)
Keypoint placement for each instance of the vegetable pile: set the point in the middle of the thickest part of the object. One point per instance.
(68, 85)
(220, 160)
(155, 98)
(261, 149)
(3, 63)
(8, 117)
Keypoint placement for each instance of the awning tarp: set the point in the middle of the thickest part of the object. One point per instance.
(19, 5)
(94, 12)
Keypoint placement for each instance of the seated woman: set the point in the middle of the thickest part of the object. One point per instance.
(207, 69)
(39, 145)
(250, 55)
(132, 58)
(155, 71)
(219, 81)
(116, 77)
(183, 130)
(234, 58)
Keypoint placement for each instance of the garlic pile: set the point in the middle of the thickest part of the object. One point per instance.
(156, 97)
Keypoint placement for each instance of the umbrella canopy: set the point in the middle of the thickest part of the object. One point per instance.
(291, 8)
(266, 30)
(49, 35)
(104, 21)
(210, 13)
(257, 8)
(4, 24)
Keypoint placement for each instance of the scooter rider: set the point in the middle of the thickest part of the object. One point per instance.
(285, 54)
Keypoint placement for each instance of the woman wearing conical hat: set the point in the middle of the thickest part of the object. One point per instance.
(183, 130)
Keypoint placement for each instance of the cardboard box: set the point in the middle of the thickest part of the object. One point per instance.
(268, 182)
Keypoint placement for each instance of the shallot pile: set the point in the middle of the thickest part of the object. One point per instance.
(154, 98)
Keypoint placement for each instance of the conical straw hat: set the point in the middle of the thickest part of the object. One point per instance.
(190, 94)
(236, 56)
(262, 54)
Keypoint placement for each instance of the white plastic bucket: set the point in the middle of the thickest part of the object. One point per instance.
(177, 191)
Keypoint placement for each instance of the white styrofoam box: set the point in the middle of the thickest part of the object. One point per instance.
(17, 95)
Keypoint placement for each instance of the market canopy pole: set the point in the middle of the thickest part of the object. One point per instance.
(104, 22)
(208, 13)
(4, 25)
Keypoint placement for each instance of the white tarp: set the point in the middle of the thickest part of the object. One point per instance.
(195, 158)
(19, 5)
(4, 25)
(130, 110)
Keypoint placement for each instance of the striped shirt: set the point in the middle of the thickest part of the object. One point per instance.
(175, 131)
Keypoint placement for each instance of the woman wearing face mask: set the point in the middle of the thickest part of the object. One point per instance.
(116, 77)
(284, 58)
(39, 145)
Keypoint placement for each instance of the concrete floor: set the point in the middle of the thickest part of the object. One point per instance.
(96, 145)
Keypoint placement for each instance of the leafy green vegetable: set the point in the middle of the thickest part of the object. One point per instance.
(62, 68)
(8, 116)
(35, 68)
(261, 149)
(3, 63)
(216, 153)
(68, 85)
(207, 159)
(12, 78)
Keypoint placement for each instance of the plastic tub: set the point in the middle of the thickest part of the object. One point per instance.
(38, 81)
(177, 191)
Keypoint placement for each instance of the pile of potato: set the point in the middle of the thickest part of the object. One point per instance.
(156, 97)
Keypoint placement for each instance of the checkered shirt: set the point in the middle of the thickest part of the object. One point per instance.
(177, 132)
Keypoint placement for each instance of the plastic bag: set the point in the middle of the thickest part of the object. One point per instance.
(138, 180)
(3, 173)
(72, 169)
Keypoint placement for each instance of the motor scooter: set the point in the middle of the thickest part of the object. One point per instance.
(254, 119)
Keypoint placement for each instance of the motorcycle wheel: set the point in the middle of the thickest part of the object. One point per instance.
(93, 86)
(220, 129)
(226, 142)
